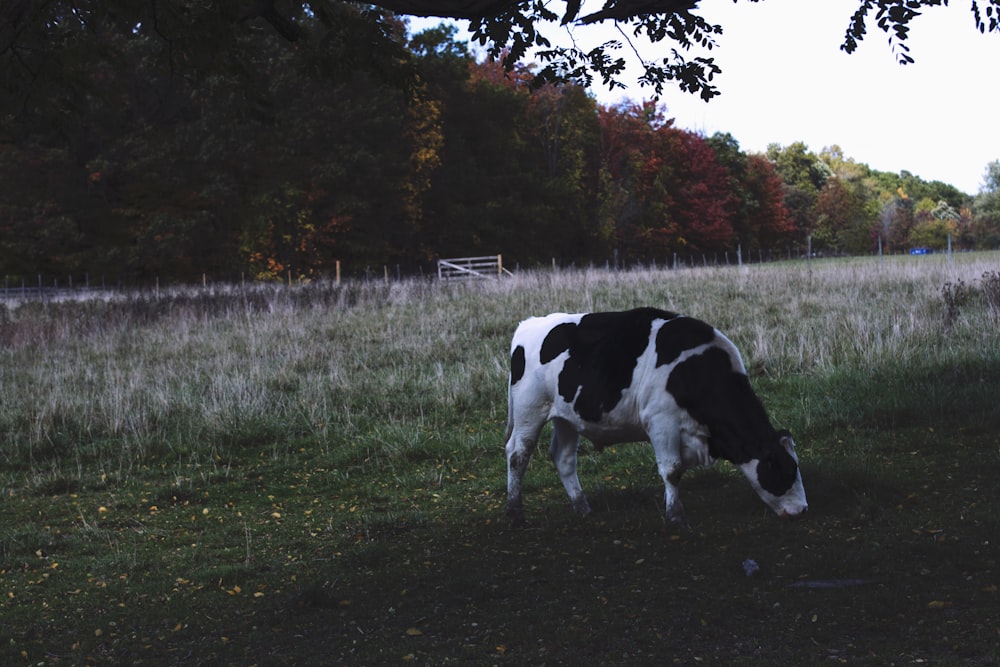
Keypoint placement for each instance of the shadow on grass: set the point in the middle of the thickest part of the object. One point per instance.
(886, 568)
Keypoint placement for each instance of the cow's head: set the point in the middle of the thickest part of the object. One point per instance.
(776, 477)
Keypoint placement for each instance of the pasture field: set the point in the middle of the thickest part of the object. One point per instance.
(315, 476)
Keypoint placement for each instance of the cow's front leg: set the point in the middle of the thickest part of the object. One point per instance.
(565, 443)
(672, 498)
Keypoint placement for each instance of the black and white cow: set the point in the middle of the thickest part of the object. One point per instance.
(642, 375)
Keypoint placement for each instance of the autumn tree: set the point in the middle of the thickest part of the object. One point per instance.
(666, 189)
(758, 214)
(842, 221)
(987, 207)
(767, 223)
(636, 154)
(936, 224)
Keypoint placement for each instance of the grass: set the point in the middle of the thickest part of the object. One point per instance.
(315, 475)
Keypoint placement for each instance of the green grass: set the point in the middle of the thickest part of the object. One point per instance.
(315, 475)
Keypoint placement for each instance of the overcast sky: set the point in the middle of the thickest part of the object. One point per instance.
(785, 79)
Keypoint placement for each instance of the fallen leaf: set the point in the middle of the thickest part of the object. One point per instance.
(413, 632)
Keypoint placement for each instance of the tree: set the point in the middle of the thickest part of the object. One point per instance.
(842, 222)
(518, 163)
(767, 218)
(44, 43)
(934, 225)
(804, 175)
(514, 26)
(666, 190)
(987, 207)
(759, 216)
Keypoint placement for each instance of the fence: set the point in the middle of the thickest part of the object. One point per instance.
(22, 288)
(462, 268)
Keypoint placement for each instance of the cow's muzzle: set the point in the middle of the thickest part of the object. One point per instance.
(785, 514)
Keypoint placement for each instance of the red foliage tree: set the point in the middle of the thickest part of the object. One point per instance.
(768, 220)
(665, 191)
(703, 199)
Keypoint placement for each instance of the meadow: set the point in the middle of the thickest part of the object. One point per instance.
(315, 475)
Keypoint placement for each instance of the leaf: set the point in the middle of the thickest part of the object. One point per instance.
(413, 632)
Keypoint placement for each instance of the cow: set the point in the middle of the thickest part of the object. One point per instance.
(642, 375)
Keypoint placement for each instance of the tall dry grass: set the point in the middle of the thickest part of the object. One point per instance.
(409, 369)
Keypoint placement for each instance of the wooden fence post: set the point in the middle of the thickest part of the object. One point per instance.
(809, 254)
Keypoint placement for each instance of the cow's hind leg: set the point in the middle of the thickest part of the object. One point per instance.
(520, 446)
(670, 465)
(565, 442)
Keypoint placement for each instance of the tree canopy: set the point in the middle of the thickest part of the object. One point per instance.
(40, 40)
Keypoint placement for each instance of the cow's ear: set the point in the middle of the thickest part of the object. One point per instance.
(785, 440)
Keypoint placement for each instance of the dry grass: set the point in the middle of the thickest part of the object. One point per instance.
(110, 384)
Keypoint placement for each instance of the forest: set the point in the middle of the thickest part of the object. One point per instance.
(133, 162)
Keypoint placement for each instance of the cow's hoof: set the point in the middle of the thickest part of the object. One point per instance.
(581, 507)
(675, 515)
(516, 517)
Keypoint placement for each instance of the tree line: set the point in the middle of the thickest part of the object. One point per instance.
(121, 164)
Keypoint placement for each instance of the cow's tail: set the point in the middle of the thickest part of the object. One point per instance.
(510, 412)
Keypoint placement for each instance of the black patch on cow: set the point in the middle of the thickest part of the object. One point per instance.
(776, 472)
(516, 365)
(603, 351)
(678, 335)
(722, 400)
(556, 342)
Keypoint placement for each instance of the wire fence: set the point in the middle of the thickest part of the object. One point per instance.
(48, 287)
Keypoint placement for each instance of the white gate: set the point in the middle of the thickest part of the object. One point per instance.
(460, 268)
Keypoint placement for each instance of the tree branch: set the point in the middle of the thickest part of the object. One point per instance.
(455, 9)
(264, 9)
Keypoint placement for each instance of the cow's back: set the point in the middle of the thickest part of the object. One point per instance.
(581, 367)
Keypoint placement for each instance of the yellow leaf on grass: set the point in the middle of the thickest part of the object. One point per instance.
(938, 604)
(413, 632)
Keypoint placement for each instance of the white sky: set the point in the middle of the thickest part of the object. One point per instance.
(785, 79)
